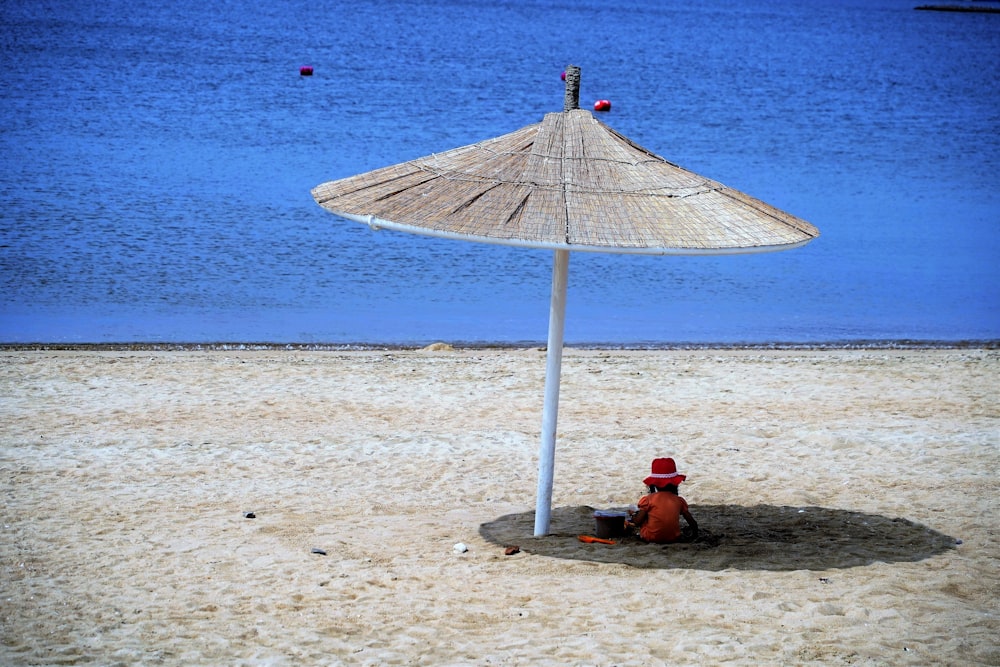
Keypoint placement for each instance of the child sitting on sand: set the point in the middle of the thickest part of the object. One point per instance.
(659, 516)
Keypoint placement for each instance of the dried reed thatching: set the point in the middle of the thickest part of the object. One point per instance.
(568, 182)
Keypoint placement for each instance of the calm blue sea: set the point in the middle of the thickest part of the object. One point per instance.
(157, 159)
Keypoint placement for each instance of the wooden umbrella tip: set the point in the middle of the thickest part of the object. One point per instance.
(572, 98)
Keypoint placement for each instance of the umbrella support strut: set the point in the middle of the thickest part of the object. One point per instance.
(550, 409)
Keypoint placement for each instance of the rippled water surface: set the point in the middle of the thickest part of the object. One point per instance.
(157, 160)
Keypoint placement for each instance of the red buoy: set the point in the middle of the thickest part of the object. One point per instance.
(563, 76)
(306, 70)
(602, 105)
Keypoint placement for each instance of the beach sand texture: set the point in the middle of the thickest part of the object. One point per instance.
(848, 500)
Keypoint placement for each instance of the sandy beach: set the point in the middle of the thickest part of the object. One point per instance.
(848, 500)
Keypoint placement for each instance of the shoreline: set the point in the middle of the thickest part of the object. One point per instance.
(858, 344)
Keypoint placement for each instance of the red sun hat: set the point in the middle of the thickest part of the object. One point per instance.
(664, 473)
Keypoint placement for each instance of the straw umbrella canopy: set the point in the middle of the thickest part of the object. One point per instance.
(568, 183)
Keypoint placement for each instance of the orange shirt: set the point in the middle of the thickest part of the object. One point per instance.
(663, 520)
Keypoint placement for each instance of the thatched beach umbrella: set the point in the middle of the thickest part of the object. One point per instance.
(569, 183)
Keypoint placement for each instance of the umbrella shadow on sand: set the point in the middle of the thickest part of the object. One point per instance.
(763, 537)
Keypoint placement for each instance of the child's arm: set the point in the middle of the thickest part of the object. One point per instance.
(691, 522)
(638, 518)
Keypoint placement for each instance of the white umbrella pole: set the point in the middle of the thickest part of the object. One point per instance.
(550, 410)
